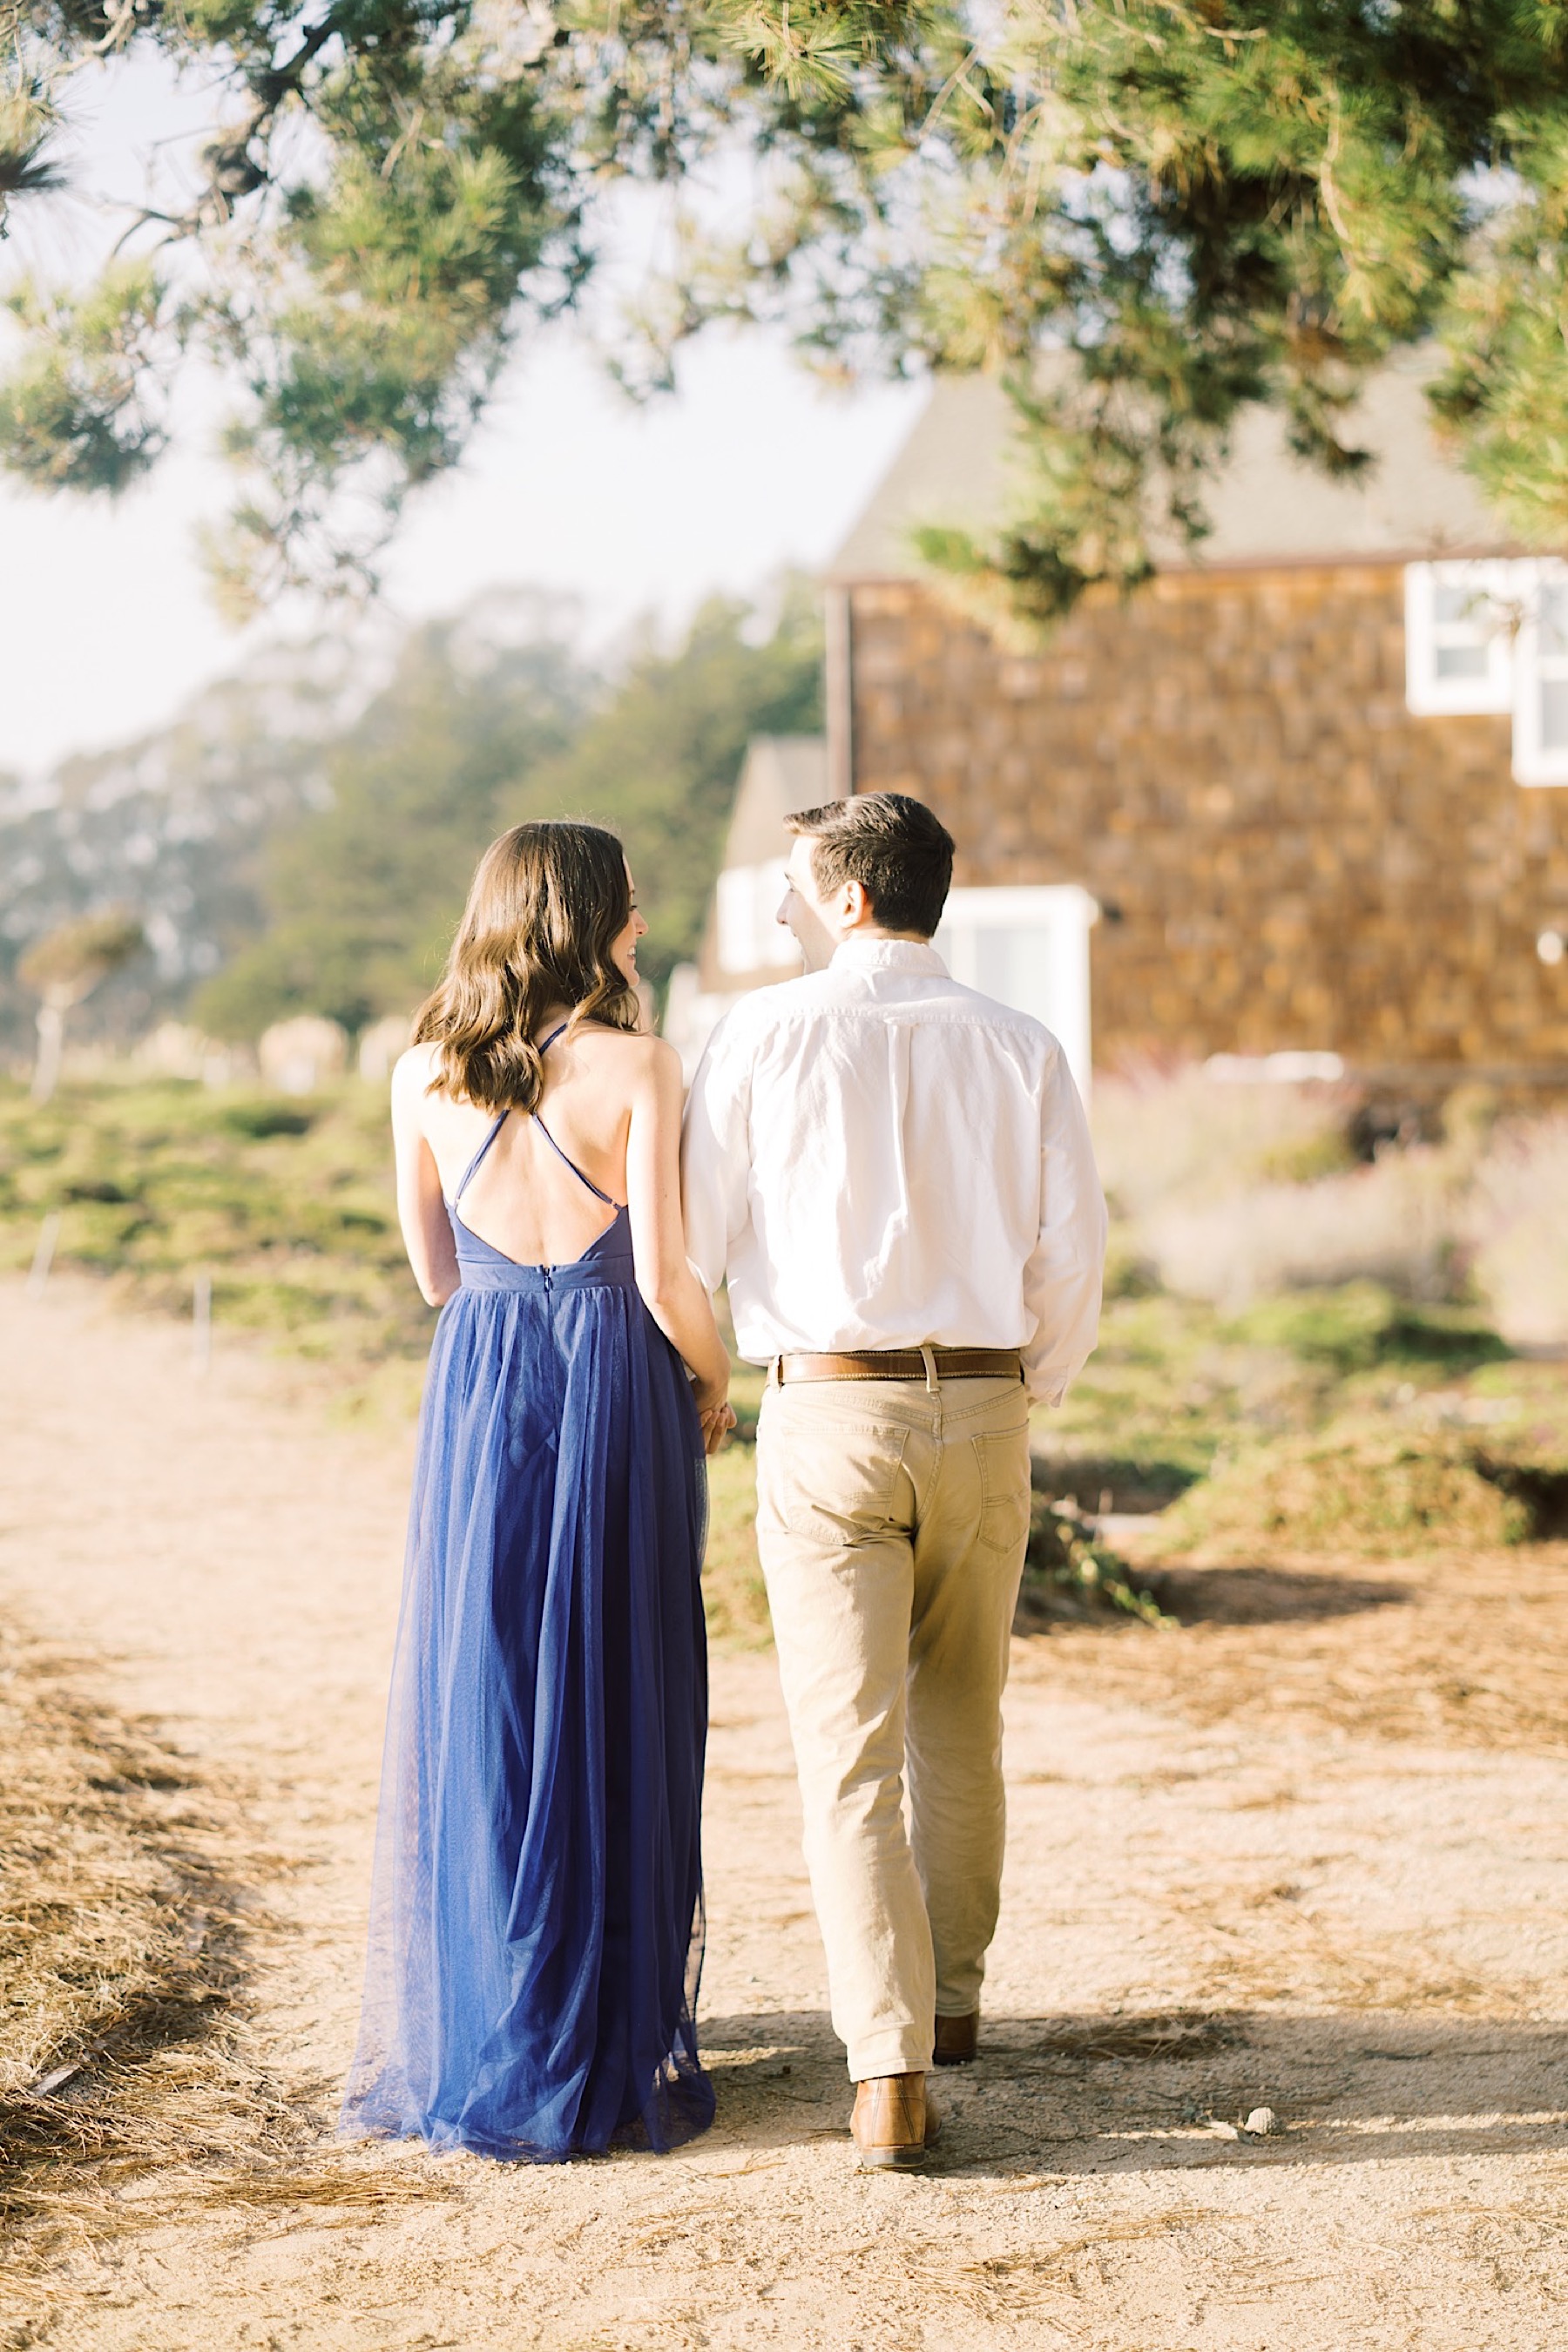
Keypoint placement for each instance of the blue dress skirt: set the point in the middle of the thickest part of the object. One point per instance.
(536, 1914)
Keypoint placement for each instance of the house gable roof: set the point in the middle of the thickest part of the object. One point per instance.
(781, 774)
(1267, 505)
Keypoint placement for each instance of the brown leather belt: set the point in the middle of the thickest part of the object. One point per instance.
(902, 1364)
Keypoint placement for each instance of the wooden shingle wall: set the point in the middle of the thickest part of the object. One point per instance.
(1285, 856)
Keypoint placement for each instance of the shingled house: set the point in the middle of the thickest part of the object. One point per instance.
(1299, 795)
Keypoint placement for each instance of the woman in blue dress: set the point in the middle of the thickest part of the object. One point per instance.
(536, 1916)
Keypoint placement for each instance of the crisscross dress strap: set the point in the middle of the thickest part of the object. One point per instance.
(559, 1154)
(472, 1169)
(571, 1163)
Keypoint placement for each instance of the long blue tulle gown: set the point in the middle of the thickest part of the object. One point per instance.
(536, 1914)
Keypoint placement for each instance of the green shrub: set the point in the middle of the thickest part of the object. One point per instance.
(1343, 1492)
(1361, 1326)
(267, 1117)
(1068, 1571)
(288, 1206)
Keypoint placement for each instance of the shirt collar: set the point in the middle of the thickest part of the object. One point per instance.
(861, 953)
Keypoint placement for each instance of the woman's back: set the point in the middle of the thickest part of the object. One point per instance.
(527, 1198)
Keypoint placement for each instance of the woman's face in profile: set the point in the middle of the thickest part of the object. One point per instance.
(623, 950)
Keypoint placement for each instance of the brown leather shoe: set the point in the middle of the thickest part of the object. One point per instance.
(894, 2123)
(957, 2039)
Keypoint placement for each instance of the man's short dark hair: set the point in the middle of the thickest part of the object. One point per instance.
(900, 855)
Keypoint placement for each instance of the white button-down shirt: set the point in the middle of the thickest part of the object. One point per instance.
(879, 1158)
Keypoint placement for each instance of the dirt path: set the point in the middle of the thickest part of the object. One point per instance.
(1204, 1913)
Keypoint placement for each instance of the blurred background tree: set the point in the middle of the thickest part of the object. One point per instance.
(659, 758)
(1187, 209)
(303, 838)
(64, 967)
(358, 895)
(174, 822)
(362, 896)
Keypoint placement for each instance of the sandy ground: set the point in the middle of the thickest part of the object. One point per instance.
(1206, 1909)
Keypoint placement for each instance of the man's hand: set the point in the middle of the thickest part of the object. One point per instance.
(717, 1424)
(714, 1412)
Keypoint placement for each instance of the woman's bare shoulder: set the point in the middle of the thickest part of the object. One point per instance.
(633, 1049)
(654, 1059)
(416, 1063)
(412, 1073)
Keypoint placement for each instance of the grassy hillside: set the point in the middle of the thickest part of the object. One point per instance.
(286, 1204)
(1345, 1415)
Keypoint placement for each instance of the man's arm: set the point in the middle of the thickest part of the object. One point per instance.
(715, 1156)
(1062, 1279)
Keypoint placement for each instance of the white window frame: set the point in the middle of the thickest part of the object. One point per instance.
(1495, 592)
(1065, 912)
(1517, 667)
(1534, 762)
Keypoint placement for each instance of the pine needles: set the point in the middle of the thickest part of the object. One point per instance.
(128, 2085)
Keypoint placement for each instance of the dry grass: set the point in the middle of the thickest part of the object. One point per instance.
(1160, 1137)
(1233, 1193)
(115, 1906)
(1397, 1221)
(1457, 1648)
(999, 2285)
(1515, 1229)
(127, 2087)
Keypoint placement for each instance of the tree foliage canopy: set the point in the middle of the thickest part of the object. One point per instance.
(660, 759)
(1199, 205)
(361, 897)
(67, 963)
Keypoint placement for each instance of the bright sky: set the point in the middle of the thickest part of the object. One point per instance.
(105, 626)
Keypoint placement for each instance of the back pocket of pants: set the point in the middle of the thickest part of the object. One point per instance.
(1004, 1459)
(834, 1484)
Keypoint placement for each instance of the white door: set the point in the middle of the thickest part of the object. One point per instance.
(1028, 948)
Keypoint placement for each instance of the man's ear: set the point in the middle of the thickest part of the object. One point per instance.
(853, 904)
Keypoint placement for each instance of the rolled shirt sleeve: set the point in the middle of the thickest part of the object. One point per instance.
(1063, 1277)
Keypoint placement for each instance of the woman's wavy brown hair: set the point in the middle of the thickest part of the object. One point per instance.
(548, 903)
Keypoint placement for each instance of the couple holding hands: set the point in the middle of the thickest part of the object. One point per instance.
(893, 1175)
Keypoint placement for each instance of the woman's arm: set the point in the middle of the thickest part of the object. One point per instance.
(421, 1210)
(674, 1296)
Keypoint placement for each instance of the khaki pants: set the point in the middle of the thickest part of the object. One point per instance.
(892, 1520)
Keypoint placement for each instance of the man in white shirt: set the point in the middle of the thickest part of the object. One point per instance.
(895, 1175)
